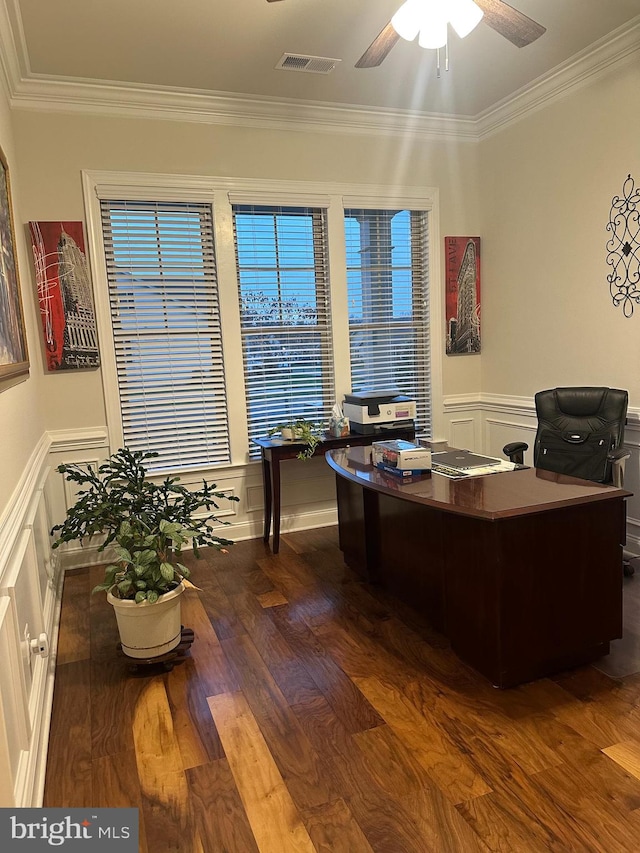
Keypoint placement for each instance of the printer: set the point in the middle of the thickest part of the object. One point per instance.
(372, 411)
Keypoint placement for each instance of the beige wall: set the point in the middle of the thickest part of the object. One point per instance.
(54, 148)
(538, 193)
(21, 410)
(546, 190)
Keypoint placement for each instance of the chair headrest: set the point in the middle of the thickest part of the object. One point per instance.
(608, 404)
(580, 402)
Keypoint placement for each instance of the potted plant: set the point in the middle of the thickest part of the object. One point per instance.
(301, 431)
(147, 523)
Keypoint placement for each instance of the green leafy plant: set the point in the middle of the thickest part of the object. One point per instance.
(303, 431)
(144, 569)
(149, 522)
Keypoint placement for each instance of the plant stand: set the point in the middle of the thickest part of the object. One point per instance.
(168, 660)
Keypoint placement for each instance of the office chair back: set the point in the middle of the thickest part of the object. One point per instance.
(579, 429)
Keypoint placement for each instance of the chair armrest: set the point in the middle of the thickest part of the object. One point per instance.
(621, 454)
(618, 459)
(515, 451)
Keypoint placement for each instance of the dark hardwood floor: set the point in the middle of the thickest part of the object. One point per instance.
(313, 714)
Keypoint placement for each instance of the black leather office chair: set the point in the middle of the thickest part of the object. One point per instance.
(580, 433)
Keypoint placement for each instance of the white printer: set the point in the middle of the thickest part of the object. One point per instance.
(370, 411)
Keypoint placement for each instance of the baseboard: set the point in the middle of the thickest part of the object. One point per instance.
(80, 557)
(31, 780)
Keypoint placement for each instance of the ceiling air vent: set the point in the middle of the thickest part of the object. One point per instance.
(310, 64)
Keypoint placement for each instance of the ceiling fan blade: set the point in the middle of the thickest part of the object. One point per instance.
(379, 48)
(510, 23)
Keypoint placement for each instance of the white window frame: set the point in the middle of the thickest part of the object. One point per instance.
(318, 334)
(423, 425)
(220, 192)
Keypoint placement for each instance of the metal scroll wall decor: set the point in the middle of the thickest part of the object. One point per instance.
(623, 248)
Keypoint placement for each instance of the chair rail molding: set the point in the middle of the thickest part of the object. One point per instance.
(489, 402)
(70, 440)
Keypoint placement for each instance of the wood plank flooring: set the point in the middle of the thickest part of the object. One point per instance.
(316, 714)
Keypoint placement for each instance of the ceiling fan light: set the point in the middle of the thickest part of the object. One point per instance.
(433, 24)
(406, 21)
(430, 19)
(433, 37)
(464, 16)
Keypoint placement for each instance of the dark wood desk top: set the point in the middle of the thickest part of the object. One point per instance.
(490, 496)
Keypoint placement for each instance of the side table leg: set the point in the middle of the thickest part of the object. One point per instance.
(275, 487)
(266, 488)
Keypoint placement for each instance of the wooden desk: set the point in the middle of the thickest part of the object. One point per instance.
(522, 571)
(276, 450)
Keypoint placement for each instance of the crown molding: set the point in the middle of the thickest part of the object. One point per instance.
(604, 56)
(116, 99)
(29, 91)
(10, 53)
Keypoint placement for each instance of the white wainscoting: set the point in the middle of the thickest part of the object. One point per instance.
(484, 423)
(308, 492)
(498, 420)
(30, 572)
(29, 607)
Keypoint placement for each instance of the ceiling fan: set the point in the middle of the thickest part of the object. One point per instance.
(515, 26)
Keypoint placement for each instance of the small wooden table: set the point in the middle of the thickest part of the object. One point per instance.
(275, 450)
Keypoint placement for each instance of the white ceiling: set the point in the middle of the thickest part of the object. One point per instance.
(230, 48)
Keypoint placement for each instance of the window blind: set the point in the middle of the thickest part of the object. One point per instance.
(167, 336)
(388, 292)
(282, 266)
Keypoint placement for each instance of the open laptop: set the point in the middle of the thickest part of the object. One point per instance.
(462, 459)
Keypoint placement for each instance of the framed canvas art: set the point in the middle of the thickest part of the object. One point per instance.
(462, 298)
(65, 295)
(14, 358)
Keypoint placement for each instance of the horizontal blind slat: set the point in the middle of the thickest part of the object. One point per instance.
(283, 272)
(387, 274)
(161, 272)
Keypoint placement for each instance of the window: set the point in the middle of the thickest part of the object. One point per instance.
(163, 301)
(226, 306)
(387, 279)
(281, 256)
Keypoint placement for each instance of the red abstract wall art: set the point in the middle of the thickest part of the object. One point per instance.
(65, 295)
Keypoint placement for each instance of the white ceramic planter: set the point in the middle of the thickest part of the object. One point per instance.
(149, 630)
(289, 434)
